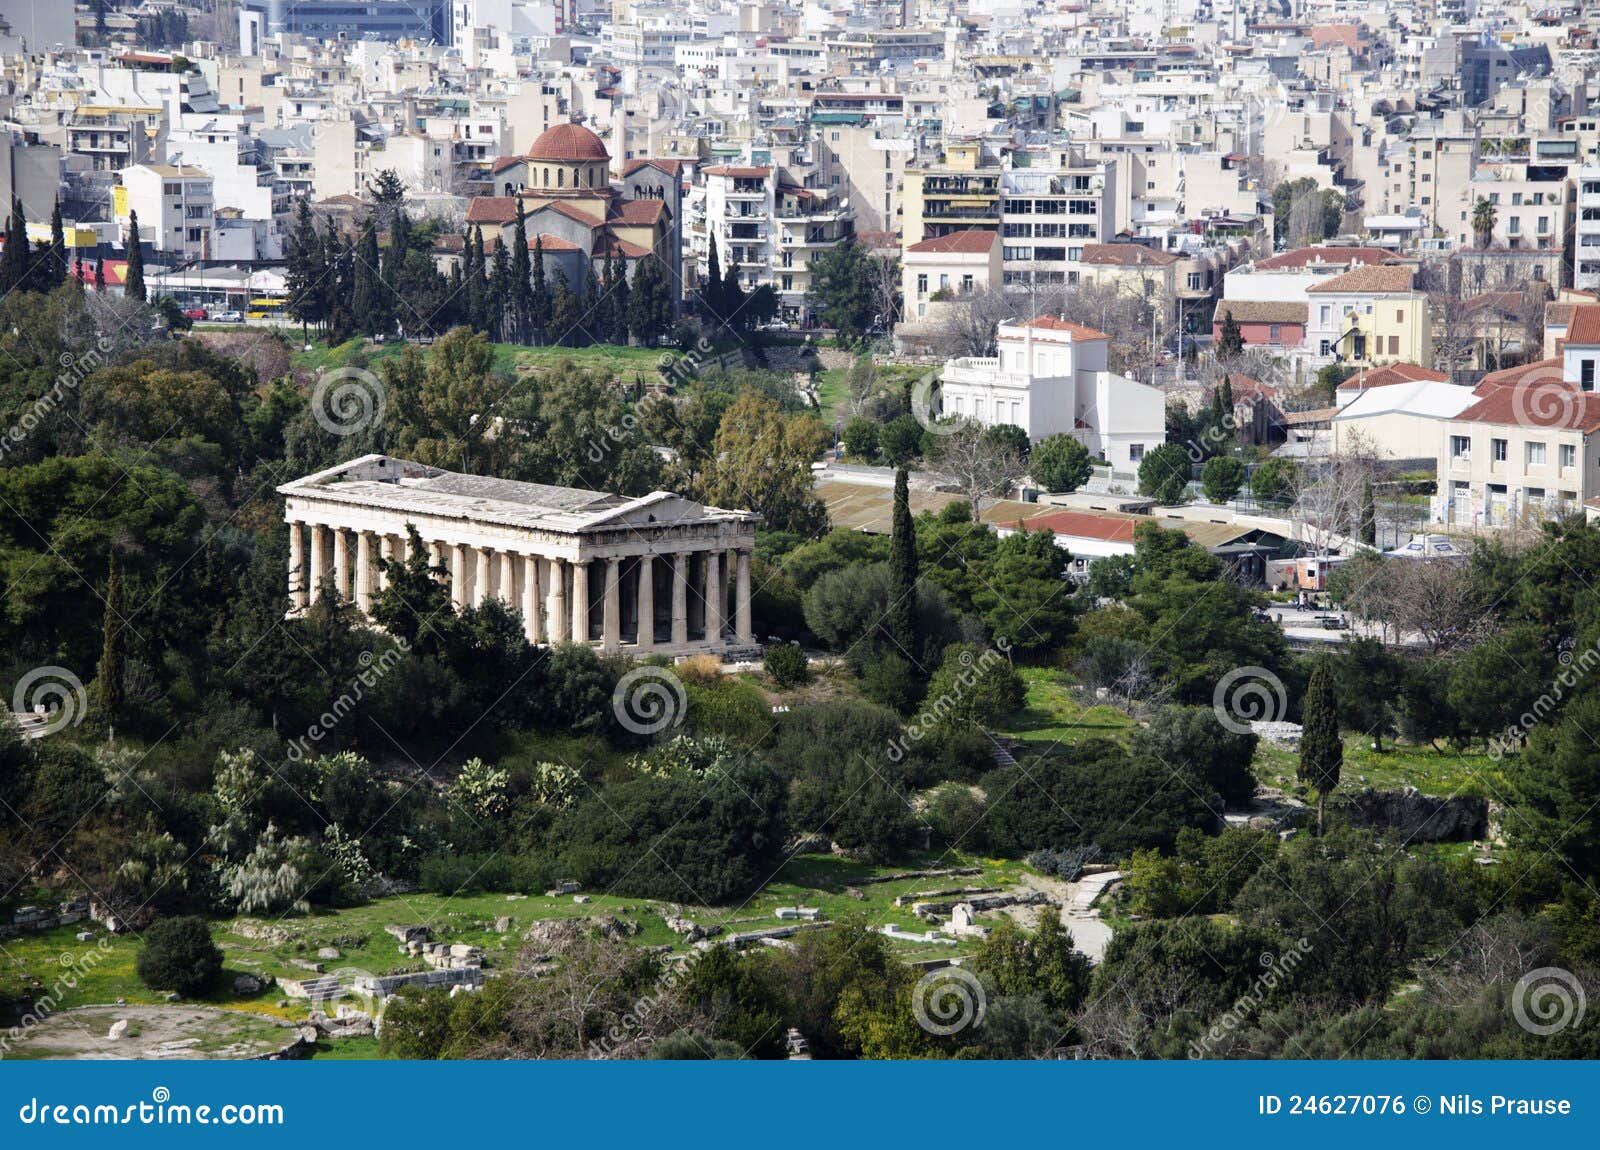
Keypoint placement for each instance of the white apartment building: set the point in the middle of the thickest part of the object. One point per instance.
(1586, 240)
(175, 207)
(1049, 215)
(1050, 378)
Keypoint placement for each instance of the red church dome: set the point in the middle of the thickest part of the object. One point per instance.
(568, 144)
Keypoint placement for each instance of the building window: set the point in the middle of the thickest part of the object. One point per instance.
(1394, 345)
(1586, 375)
(922, 282)
(1460, 447)
(1135, 452)
(1498, 450)
(1535, 454)
(1569, 455)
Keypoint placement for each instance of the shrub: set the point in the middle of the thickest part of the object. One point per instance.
(787, 664)
(889, 681)
(179, 955)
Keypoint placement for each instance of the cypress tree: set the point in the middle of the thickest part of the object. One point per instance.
(900, 618)
(77, 277)
(1321, 751)
(477, 285)
(108, 677)
(522, 276)
(306, 270)
(133, 286)
(564, 312)
(589, 308)
(57, 269)
(500, 296)
(14, 263)
(366, 304)
(1369, 516)
(99, 275)
(711, 286)
(619, 299)
(536, 291)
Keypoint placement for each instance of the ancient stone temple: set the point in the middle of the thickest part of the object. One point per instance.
(659, 573)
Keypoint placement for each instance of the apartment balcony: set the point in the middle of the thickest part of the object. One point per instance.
(990, 213)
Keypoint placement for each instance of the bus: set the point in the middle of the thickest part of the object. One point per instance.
(264, 307)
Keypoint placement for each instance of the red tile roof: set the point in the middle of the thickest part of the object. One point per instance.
(492, 210)
(608, 246)
(1082, 524)
(1542, 370)
(552, 243)
(501, 163)
(1391, 374)
(1310, 257)
(638, 211)
(1367, 280)
(1551, 403)
(568, 144)
(1126, 255)
(1584, 327)
(669, 167)
(1056, 323)
(972, 241)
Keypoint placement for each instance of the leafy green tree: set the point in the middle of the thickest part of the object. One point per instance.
(787, 665)
(861, 438)
(1321, 749)
(900, 440)
(1556, 784)
(1042, 963)
(841, 290)
(1024, 596)
(1060, 463)
(649, 306)
(1164, 473)
(1193, 738)
(1368, 679)
(761, 460)
(1275, 481)
(1221, 478)
(178, 954)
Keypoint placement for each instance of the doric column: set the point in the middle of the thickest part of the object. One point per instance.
(680, 600)
(556, 605)
(611, 624)
(386, 551)
(480, 588)
(530, 598)
(319, 560)
(580, 602)
(458, 575)
(508, 578)
(741, 608)
(297, 567)
(715, 602)
(647, 603)
(363, 571)
(341, 563)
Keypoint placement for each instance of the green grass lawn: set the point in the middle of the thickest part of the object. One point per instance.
(508, 357)
(266, 945)
(1053, 714)
(1432, 771)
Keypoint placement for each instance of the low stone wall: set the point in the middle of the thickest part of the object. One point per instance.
(1419, 817)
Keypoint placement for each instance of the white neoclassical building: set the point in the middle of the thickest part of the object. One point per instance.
(660, 573)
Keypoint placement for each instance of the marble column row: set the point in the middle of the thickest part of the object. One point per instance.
(552, 594)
